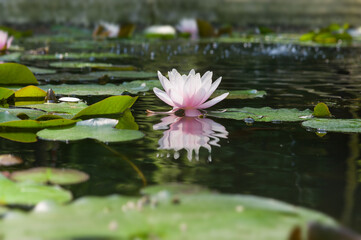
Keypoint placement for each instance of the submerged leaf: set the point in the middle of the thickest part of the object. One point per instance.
(30, 193)
(50, 175)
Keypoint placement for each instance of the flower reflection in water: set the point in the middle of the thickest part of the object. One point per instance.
(190, 133)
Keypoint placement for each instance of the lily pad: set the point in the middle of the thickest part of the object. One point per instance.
(108, 106)
(335, 125)
(50, 175)
(11, 57)
(72, 56)
(30, 193)
(125, 74)
(33, 124)
(38, 71)
(164, 216)
(99, 129)
(30, 92)
(64, 107)
(133, 87)
(14, 73)
(265, 114)
(66, 77)
(5, 93)
(240, 94)
(79, 65)
(18, 136)
(321, 110)
(31, 113)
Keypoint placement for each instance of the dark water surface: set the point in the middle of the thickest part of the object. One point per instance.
(278, 160)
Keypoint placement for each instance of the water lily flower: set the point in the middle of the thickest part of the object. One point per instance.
(105, 29)
(188, 25)
(189, 133)
(189, 93)
(5, 41)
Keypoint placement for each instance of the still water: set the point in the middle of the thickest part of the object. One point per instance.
(278, 160)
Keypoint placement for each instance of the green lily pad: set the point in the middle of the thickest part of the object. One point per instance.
(38, 71)
(335, 125)
(14, 73)
(31, 113)
(5, 93)
(125, 74)
(18, 136)
(240, 94)
(66, 77)
(265, 114)
(99, 129)
(64, 107)
(127, 121)
(321, 110)
(50, 175)
(72, 56)
(11, 57)
(30, 92)
(33, 124)
(199, 215)
(30, 193)
(78, 64)
(108, 106)
(133, 87)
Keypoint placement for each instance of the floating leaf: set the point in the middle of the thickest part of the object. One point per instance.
(30, 92)
(265, 114)
(240, 94)
(335, 125)
(14, 73)
(66, 77)
(11, 57)
(108, 106)
(9, 160)
(38, 71)
(33, 124)
(78, 64)
(93, 129)
(31, 113)
(5, 93)
(127, 121)
(30, 193)
(64, 107)
(50, 175)
(124, 74)
(321, 110)
(24, 137)
(174, 217)
(71, 56)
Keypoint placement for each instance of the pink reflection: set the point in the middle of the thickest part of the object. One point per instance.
(189, 133)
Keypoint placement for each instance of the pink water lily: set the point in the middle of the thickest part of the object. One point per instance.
(189, 93)
(5, 41)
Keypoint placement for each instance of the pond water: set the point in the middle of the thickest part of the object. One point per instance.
(278, 160)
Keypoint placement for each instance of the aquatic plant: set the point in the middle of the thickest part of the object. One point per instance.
(188, 25)
(188, 93)
(5, 41)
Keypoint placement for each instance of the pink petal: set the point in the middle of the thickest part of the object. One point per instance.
(8, 44)
(164, 81)
(163, 96)
(214, 101)
(211, 90)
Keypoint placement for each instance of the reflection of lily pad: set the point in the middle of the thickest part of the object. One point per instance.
(125, 74)
(265, 114)
(334, 125)
(196, 216)
(24, 137)
(78, 64)
(91, 129)
(30, 193)
(50, 175)
(240, 94)
(73, 56)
